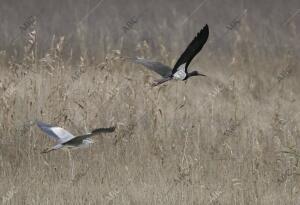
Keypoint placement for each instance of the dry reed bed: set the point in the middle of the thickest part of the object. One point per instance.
(230, 138)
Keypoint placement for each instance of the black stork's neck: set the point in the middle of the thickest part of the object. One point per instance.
(194, 73)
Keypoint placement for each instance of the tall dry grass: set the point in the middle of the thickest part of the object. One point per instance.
(229, 138)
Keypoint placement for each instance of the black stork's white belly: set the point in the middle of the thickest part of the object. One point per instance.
(180, 74)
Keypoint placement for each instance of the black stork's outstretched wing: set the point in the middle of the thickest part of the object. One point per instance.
(155, 66)
(193, 48)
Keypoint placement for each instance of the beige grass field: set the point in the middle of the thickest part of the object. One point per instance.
(230, 138)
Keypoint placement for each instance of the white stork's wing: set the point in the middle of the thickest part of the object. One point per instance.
(57, 133)
(155, 66)
(78, 139)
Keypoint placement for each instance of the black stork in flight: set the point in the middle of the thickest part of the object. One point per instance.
(179, 71)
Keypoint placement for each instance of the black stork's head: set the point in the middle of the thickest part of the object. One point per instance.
(194, 73)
